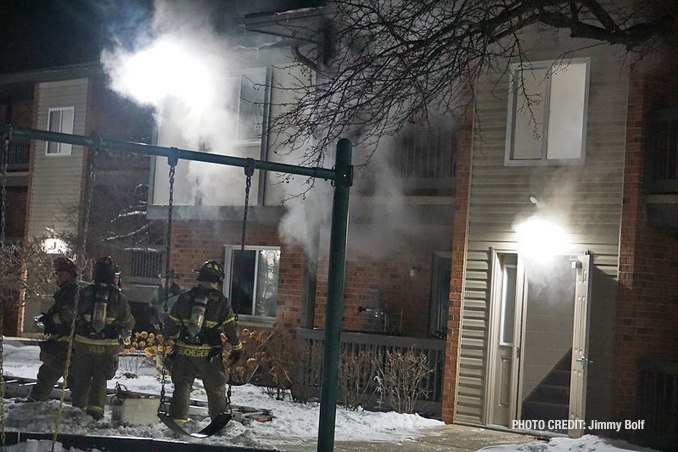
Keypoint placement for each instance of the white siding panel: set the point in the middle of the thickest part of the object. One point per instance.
(57, 179)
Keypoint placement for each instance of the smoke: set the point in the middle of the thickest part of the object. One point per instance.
(183, 69)
(383, 217)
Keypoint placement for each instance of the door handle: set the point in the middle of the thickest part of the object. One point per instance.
(583, 359)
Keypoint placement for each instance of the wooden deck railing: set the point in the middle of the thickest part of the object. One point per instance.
(379, 344)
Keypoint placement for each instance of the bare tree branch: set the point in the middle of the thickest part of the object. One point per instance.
(393, 62)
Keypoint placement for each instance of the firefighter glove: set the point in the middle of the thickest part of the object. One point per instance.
(126, 338)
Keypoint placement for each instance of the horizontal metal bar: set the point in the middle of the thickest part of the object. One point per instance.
(146, 149)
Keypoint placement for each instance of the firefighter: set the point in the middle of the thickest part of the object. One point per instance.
(202, 323)
(104, 321)
(57, 324)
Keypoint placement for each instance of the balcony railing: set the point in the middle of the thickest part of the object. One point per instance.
(378, 345)
(145, 264)
(425, 154)
(19, 151)
(658, 403)
(662, 146)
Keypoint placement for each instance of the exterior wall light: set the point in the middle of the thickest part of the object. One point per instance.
(540, 239)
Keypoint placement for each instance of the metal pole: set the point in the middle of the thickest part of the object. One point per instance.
(335, 297)
(145, 149)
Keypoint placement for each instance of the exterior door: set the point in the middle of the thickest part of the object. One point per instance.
(537, 369)
(580, 346)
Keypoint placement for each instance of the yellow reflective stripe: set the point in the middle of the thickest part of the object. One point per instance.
(197, 347)
(211, 323)
(86, 340)
(109, 320)
(230, 319)
(176, 319)
(180, 421)
(238, 346)
(95, 408)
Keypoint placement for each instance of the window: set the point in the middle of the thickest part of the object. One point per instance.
(547, 112)
(249, 89)
(508, 304)
(251, 281)
(60, 120)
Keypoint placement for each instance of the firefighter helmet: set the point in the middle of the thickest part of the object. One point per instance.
(64, 264)
(210, 271)
(104, 270)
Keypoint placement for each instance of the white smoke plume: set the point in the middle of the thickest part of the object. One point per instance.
(183, 69)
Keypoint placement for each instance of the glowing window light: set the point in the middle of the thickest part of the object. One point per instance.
(540, 239)
(55, 246)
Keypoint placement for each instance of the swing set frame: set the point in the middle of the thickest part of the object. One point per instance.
(341, 177)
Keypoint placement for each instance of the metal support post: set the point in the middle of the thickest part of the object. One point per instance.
(335, 297)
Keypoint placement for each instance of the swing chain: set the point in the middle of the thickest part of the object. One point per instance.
(172, 160)
(3, 211)
(249, 172)
(4, 162)
(81, 253)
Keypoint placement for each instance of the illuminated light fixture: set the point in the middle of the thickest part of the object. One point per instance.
(55, 246)
(540, 239)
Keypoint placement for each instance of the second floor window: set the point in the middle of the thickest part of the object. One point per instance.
(248, 94)
(60, 120)
(547, 112)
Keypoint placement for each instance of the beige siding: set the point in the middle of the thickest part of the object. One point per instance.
(57, 179)
(590, 194)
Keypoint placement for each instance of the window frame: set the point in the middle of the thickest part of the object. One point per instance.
(62, 148)
(513, 92)
(239, 75)
(228, 274)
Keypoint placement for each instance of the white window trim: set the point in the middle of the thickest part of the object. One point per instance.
(267, 86)
(512, 93)
(228, 254)
(64, 148)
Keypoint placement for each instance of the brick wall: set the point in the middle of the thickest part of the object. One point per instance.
(459, 237)
(647, 306)
(22, 113)
(16, 212)
(406, 295)
(194, 242)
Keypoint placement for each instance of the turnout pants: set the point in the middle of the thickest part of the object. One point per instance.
(53, 354)
(93, 365)
(184, 371)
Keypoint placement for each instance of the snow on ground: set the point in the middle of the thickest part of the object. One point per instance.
(293, 422)
(587, 443)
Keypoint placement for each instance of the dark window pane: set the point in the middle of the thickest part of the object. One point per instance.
(242, 281)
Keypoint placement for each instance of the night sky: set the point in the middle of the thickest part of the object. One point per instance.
(37, 34)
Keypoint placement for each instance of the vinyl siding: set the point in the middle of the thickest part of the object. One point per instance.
(591, 193)
(57, 179)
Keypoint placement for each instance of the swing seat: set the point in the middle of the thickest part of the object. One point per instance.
(214, 427)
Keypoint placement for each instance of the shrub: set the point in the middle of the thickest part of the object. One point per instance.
(400, 378)
(356, 376)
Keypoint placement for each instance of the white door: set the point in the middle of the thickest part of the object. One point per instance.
(540, 374)
(580, 346)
